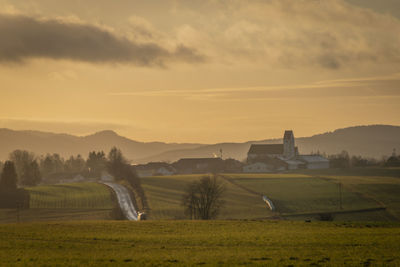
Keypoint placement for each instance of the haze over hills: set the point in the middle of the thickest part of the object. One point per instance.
(368, 141)
(66, 145)
(371, 141)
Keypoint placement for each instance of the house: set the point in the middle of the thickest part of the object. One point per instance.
(154, 169)
(314, 161)
(198, 165)
(285, 156)
(268, 164)
(294, 164)
(263, 151)
(258, 167)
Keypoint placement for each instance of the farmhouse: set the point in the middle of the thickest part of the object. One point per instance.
(154, 168)
(315, 161)
(198, 165)
(278, 157)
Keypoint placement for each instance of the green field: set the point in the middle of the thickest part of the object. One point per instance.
(294, 194)
(76, 195)
(382, 189)
(164, 194)
(77, 201)
(151, 243)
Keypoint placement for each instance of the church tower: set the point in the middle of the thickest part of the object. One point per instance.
(288, 144)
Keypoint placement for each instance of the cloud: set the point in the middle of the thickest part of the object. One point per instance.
(328, 35)
(373, 87)
(23, 37)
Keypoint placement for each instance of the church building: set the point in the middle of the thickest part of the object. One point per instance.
(280, 157)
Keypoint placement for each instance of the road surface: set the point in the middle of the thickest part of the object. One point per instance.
(124, 201)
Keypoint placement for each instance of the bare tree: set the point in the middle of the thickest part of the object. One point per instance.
(203, 198)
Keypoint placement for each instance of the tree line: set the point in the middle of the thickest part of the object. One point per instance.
(31, 169)
(344, 160)
(25, 169)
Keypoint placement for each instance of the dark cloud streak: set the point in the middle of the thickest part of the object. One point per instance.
(23, 37)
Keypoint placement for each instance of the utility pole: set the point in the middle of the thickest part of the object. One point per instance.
(340, 196)
(19, 206)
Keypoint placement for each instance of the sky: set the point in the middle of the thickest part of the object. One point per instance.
(202, 71)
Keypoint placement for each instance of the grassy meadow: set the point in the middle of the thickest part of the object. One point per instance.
(75, 201)
(150, 243)
(74, 195)
(164, 194)
(294, 194)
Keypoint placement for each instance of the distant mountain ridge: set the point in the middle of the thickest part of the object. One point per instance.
(370, 141)
(66, 145)
(367, 141)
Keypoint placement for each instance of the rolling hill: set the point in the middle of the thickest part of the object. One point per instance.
(370, 141)
(66, 145)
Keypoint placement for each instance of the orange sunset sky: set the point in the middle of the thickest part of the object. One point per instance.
(199, 71)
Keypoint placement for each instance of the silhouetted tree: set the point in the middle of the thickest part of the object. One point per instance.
(393, 161)
(22, 160)
(203, 198)
(341, 160)
(75, 164)
(96, 163)
(117, 164)
(8, 179)
(118, 167)
(51, 164)
(358, 161)
(31, 174)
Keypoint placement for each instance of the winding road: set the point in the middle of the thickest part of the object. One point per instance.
(124, 201)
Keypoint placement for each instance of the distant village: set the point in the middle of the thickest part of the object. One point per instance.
(261, 158)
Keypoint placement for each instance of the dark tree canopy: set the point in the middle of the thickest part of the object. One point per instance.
(203, 198)
(96, 163)
(21, 159)
(8, 179)
(31, 174)
(75, 164)
(116, 163)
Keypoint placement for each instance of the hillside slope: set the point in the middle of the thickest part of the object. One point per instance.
(64, 144)
(369, 141)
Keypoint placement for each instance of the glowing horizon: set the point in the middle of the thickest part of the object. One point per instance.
(199, 71)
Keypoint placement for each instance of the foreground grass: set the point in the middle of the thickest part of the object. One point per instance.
(164, 194)
(200, 242)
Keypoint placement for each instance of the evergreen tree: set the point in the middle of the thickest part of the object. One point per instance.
(21, 159)
(8, 180)
(96, 163)
(117, 164)
(31, 174)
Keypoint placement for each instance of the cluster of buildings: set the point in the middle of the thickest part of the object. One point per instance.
(261, 158)
(281, 157)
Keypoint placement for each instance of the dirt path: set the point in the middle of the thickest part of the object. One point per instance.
(124, 201)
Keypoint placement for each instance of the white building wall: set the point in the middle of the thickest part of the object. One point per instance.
(318, 165)
(257, 168)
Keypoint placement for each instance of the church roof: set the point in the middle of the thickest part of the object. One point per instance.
(266, 149)
(288, 134)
